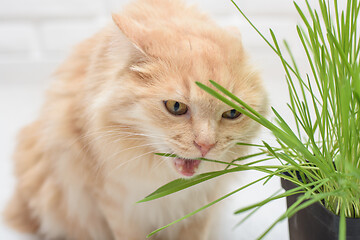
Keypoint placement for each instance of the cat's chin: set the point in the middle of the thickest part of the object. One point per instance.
(186, 167)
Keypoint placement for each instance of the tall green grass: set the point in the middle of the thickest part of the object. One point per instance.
(323, 147)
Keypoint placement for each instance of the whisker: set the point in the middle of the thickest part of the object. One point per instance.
(134, 147)
(112, 157)
(130, 160)
(161, 162)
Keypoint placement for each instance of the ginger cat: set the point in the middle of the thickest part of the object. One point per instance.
(125, 93)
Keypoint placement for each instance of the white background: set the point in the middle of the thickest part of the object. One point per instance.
(36, 35)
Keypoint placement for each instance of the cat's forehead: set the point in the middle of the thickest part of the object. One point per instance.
(201, 70)
(200, 59)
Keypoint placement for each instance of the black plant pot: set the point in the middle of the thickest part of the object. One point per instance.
(316, 222)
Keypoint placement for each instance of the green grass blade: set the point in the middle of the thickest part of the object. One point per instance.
(181, 183)
(206, 206)
(342, 224)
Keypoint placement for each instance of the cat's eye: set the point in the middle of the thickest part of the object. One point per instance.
(176, 108)
(231, 114)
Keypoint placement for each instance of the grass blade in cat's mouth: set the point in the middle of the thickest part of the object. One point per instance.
(186, 167)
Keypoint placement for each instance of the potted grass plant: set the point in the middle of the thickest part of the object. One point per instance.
(319, 157)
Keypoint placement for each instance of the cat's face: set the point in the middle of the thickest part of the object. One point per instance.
(158, 99)
(182, 119)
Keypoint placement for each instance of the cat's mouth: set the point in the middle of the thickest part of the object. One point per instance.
(186, 167)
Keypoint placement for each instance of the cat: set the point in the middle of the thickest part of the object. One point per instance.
(124, 94)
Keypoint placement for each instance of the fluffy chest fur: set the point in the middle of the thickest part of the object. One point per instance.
(156, 213)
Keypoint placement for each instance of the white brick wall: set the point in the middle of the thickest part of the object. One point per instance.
(47, 9)
(35, 35)
(16, 37)
(60, 35)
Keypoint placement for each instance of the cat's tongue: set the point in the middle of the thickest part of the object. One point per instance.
(186, 167)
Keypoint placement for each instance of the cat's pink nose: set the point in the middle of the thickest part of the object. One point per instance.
(203, 147)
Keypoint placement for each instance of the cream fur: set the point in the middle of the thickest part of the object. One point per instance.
(87, 159)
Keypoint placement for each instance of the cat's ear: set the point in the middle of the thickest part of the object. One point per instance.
(234, 31)
(131, 30)
(132, 35)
